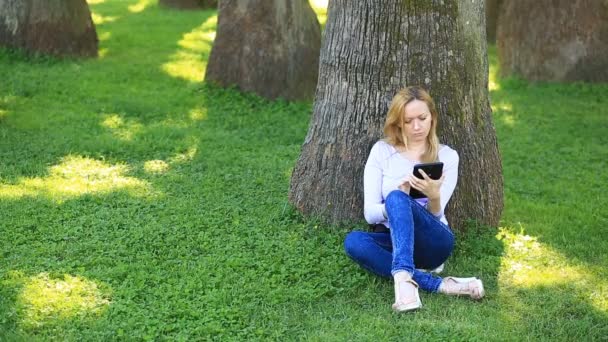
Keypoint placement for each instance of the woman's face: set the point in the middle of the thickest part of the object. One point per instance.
(417, 121)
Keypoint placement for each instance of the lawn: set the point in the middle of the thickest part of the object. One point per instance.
(139, 203)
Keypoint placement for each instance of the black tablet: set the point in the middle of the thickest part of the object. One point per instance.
(433, 170)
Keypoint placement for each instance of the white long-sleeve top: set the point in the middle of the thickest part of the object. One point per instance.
(386, 169)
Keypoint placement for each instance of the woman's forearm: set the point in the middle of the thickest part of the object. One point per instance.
(434, 205)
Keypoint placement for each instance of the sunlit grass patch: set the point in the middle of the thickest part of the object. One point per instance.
(189, 63)
(492, 83)
(599, 295)
(186, 156)
(99, 19)
(528, 263)
(121, 128)
(160, 167)
(504, 111)
(508, 120)
(76, 176)
(156, 166)
(104, 36)
(504, 107)
(5, 101)
(493, 77)
(103, 52)
(198, 114)
(210, 24)
(140, 6)
(44, 299)
(186, 65)
(320, 7)
(199, 39)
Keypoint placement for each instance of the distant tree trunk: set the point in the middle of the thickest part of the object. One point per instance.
(270, 47)
(554, 40)
(371, 50)
(189, 4)
(492, 13)
(55, 27)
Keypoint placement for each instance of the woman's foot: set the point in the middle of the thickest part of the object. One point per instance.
(406, 293)
(471, 287)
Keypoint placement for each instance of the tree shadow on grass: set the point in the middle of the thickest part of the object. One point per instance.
(131, 110)
(553, 165)
(337, 300)
(175, 261)
(131, 244)
(509, 314)
(533, 313)
(357, 306)
(201, 160)
(552, 139)
(124, 101)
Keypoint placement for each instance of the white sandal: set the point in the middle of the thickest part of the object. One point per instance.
(471, 287)
(411, 305)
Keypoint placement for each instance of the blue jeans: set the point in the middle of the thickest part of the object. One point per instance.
(417, 239)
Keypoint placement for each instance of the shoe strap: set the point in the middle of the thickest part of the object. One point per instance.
(411, 281)
(462, 286)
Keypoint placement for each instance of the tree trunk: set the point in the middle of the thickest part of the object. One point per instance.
(492, 13)
(55, 27)
(371, 50)
(270, 47)
(188, 4)
(554, 40)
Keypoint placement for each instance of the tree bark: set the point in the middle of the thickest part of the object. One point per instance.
(188, 4)
(269, 47)
(492, 13)
(370, 51)
(554, 40)
(55, 27)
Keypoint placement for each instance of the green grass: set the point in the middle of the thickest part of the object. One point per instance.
(139, 203)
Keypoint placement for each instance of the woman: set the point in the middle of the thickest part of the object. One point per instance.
(419, 237)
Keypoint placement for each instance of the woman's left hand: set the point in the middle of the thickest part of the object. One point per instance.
(428, 186)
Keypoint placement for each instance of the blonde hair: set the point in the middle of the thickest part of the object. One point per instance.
(395, 120)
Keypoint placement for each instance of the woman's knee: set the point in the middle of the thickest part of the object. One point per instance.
(448, 244)
(397, 197)
(354, 243)
(436, 253)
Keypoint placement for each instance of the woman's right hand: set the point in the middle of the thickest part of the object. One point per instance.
(405, 187)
